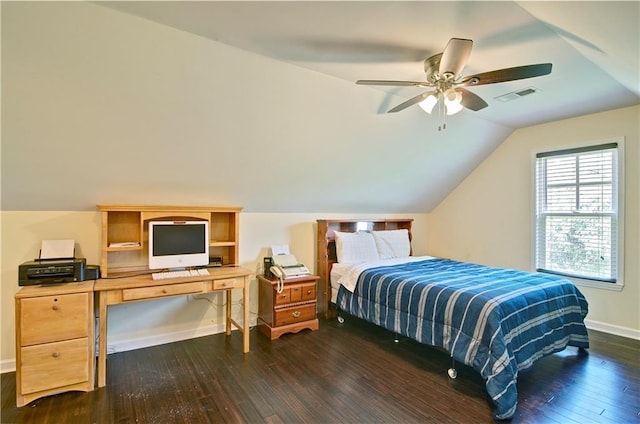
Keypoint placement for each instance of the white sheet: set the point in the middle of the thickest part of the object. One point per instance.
(337, 271)
(350, 276)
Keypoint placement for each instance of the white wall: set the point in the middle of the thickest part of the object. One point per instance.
(102, 106)
(488, 218)
(146, 323)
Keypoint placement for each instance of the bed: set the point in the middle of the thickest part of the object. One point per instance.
(497, 321)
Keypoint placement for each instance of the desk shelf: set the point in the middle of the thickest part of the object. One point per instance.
(130, 223)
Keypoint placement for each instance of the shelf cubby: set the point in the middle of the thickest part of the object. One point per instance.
(125, 237)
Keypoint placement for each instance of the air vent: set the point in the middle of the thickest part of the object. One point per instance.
(517, 94)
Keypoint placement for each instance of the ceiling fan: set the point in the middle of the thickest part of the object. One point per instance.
(445, 81)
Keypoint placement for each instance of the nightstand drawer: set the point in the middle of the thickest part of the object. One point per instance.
(54, 365)
(302, 293)
(161, 291)
(52, 318)
(282, 298)
(295, 314)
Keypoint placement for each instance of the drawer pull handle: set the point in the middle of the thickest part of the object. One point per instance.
(55, 354)
(308, 291)
(55, 307)
(164, 291)
(296, 314)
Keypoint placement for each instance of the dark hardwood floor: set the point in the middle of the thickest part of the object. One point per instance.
(353, 373)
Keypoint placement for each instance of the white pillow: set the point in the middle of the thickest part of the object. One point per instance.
(352, 248)
(392, 243)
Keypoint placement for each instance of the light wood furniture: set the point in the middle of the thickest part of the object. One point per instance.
(125, 269)
(130, 224)
(326, 250)
(292, 310)
(142, 287)
(55, 340)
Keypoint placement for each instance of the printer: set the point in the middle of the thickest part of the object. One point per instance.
(56, 264)
(52, 271)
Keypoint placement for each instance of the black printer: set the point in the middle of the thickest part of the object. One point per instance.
(53, 271)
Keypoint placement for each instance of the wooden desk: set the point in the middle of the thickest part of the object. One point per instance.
(113, 291)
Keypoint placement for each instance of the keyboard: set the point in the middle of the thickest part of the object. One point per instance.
(179, 274)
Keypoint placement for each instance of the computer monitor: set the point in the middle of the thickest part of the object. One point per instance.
(178, 244)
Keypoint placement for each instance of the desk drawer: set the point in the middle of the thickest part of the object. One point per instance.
(52, 318)
(227, 283)
(162, 291)
(295, 314)
(54, 365)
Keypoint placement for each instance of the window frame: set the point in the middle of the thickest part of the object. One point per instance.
(619, 283)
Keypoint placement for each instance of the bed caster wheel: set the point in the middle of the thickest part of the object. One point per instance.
(340, 320)
(452, 373)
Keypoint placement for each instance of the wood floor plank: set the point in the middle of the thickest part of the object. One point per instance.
(352, 373)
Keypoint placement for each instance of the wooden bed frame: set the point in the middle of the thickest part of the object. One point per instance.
(326, 252)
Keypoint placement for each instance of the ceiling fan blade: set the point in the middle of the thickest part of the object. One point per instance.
(508, 74)
(394, 83)
(412, 101)
(455, 56)
(471, 100)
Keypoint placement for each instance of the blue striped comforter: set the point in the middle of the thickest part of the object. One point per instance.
(496, 320)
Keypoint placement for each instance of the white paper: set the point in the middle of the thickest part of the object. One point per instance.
(280, 249)
(57, 249)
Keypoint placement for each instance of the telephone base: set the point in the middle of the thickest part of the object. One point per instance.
(287, 277)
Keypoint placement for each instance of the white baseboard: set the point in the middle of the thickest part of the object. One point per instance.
(160, 339)
(141, 342)
(613, 329)
(7, 366)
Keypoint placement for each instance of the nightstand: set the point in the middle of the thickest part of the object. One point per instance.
(292, 310)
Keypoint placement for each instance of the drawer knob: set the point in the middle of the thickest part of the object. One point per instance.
(55, 307)
(308, 291)
(55, 354)
(296, 314)
(164, 291)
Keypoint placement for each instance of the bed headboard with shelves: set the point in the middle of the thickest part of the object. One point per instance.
(326, 251)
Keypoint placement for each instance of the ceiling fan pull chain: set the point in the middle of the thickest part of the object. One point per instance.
(442, 116)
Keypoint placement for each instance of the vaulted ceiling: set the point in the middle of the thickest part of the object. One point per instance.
(593, 46)
(255, 103)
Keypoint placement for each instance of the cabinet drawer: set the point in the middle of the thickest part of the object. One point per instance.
(53, 318)
(161, 291)
(53, 365)
(227, 283)
(302, 293)
(295, 314)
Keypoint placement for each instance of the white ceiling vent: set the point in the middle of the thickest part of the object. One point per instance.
(517, 94)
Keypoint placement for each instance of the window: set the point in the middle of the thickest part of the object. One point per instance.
(578, 225)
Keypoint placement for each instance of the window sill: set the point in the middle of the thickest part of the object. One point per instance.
(596, 284)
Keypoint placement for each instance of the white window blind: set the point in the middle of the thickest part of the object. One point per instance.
(577, 212)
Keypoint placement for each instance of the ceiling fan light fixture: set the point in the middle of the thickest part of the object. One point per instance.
(428, 103)
(452, 100)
